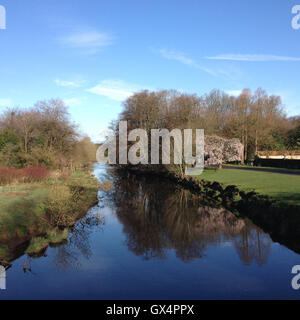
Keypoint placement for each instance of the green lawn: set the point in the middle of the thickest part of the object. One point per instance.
(10, 194)
(282, 187)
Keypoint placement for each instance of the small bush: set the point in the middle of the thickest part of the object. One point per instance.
(57, 236)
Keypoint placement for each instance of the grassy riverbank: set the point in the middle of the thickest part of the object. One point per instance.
(283, 188)
(42, 211)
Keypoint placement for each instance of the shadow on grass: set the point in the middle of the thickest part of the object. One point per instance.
(287, 197)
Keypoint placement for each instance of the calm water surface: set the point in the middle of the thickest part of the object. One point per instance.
(149, 239)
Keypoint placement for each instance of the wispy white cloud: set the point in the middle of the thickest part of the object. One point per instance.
(90, 42)
(182, 58)
(252, 57)
(68, 83)
(228, 72)
(5, 102)
(115, 89)
(72, 102)
(114, 94)
(178, 56)
(234, 93)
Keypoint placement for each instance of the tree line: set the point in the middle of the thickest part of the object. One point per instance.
(257, 119)
(42, 135)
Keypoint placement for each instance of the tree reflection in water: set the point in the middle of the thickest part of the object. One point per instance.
(158, 215)
(78, 245)
(253, 245)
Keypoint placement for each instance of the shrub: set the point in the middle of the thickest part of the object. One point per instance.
(57, 236)
(25, 175)
(8, 175)
(32, 174)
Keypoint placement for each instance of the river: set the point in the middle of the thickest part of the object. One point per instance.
(150, 239)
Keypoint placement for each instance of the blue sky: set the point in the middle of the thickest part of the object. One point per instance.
(93, 53)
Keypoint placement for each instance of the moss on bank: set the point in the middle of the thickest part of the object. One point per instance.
(53, 236)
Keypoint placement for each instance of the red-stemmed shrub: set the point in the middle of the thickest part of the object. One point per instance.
(8, 175)
(25, 175)
(34, 174)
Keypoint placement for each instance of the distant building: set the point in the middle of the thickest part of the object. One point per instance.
(280, 155)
